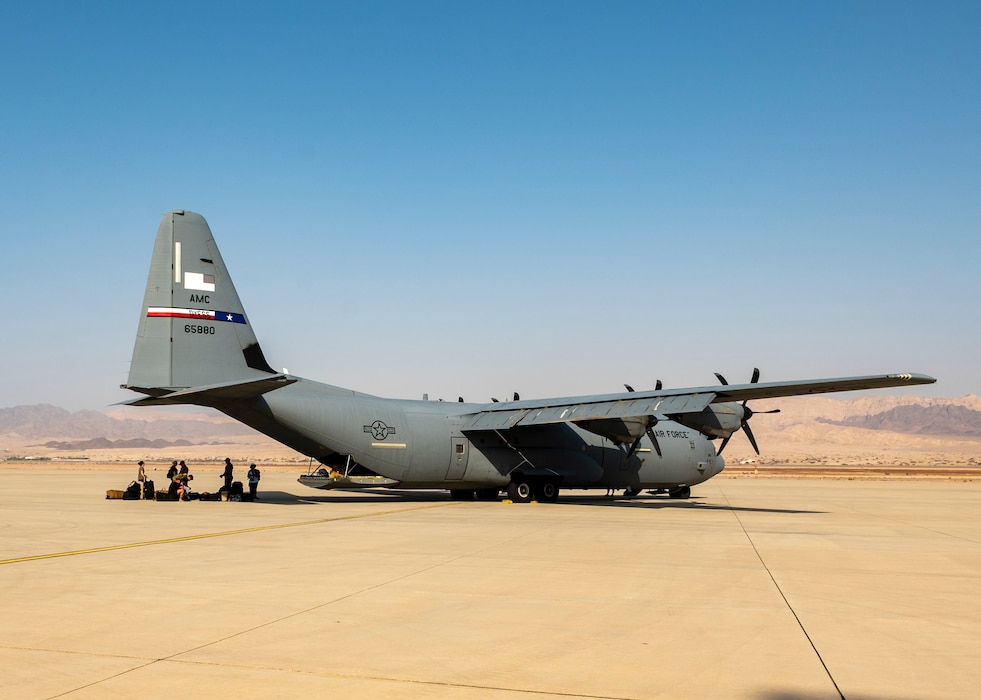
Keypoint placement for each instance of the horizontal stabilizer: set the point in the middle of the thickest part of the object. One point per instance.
(214, 394)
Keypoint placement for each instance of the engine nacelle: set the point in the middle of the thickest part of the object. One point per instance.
(619, 430)
(717, 420)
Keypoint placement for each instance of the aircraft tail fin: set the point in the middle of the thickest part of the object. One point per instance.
(193, 329)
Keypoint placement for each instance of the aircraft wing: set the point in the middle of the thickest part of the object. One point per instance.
(665, 403)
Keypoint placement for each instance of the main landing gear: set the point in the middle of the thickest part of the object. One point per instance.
(523, 489)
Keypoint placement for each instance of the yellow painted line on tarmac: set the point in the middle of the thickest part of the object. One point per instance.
(187, 538)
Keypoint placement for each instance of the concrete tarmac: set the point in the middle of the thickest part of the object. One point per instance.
(755, 588)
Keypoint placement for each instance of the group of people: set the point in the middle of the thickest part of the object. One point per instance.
(179, 478)
(253, 476)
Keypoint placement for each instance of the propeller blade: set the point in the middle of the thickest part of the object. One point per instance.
(749, 434)
(633, 448)
(516, 397)
(628, 388)
(653, 437)
(658, 386)
(722, 380)
(756, 375)
(725, 441)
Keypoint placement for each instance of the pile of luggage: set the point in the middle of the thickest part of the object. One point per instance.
(132, 492)
(235, 493)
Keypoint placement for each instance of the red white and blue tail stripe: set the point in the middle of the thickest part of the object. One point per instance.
(200, 314)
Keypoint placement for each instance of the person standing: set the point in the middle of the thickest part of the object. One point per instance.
(227, 474)
(183, 488)
(141, 479)
(254, 476)
(173, 482)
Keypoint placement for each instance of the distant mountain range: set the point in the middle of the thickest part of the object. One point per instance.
(946, 420)
(56, 427)
(104, 444)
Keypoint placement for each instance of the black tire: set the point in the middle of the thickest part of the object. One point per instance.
(487, 494)
(631, 492)
(521, 492)
(548, 492)
(680, 492)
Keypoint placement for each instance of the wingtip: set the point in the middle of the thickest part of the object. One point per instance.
(914, 378)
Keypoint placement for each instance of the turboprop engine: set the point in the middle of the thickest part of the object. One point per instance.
(717, 420)
(721, 420)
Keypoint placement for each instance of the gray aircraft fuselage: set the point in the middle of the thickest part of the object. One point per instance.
(421, 444)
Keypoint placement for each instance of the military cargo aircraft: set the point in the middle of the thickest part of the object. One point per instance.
(195, 345)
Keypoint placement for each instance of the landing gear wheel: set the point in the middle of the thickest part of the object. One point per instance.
(680, 492)
(631, 492)
(548, 492)
(520, 492)
(487, 494)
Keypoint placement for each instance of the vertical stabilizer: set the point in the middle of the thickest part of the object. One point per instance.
(193, 330)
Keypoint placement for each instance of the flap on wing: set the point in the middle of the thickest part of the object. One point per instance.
(615, 406)
(209, 395)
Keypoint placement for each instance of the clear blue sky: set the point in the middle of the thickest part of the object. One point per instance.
(473, 198)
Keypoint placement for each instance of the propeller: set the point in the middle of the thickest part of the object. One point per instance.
(651, 422)
(747, 413)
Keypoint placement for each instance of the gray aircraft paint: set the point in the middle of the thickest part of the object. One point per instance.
(195, 345)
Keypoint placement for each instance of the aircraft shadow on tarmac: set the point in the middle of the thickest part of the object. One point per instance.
(658, 502)
(284, 498)
(597, 501)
